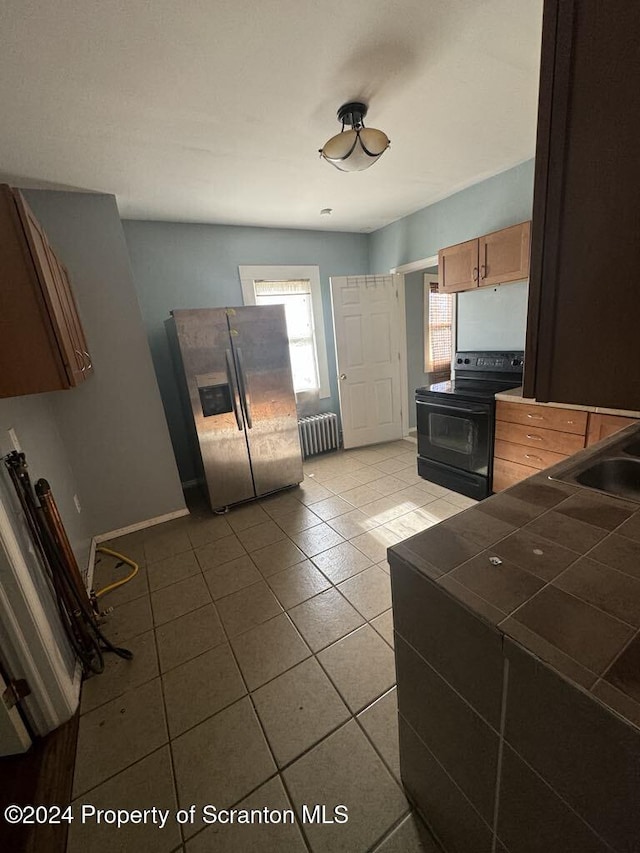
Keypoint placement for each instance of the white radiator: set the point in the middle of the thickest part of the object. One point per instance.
(318, 433)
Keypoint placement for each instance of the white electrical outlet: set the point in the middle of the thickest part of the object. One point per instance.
(76, 501)
(13, 439)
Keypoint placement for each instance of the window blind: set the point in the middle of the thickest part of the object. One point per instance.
(292, 287)
(438, 332)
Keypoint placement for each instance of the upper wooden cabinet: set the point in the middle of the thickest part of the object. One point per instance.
(504, 255)
(42, 342)
(458, 267)
(495, 258)
(584, 298)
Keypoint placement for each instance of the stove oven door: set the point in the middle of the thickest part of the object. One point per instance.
(455, 433)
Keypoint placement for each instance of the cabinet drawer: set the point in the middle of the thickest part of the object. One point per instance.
(543, 439)
(507, 474)
(533, 458)
(547, 417)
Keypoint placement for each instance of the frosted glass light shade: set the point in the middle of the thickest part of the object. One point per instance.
(355, 150)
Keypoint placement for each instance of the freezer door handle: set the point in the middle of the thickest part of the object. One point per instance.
(246, 399)
(232, 385)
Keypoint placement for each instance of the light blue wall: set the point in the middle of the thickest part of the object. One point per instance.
(34, 421)
(503, 200)
(500, 201)
(194, 266)
(493, 318)
(113, 426)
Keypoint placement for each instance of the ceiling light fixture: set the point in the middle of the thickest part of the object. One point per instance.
(356, 149)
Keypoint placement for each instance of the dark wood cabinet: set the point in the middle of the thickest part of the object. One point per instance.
(584, 295)
(42, 342)
(496, 258)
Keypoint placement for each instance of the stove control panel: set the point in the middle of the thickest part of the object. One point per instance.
(498, 362)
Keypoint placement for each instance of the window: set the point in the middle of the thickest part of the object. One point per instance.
(438, 331)
(298, 289)
(296, 298)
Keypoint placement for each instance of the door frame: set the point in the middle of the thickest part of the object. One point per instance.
(402, 270)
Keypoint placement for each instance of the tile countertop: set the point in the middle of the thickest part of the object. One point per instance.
(514, 395)
(555, 567)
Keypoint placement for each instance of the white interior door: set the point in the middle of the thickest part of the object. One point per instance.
(366, 322)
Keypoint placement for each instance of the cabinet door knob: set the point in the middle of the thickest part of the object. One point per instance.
(80, 360)
(535, 417)
(475, 273)
(483, 271)
(90, 365)
(534, 437)
(343, 376)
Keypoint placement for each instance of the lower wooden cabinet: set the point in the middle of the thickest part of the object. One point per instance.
(42, 342)
(533, 457)
(531, 437)
(602, 426)
(506, 474)
(538, 438)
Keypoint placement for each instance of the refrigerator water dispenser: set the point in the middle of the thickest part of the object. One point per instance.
(215, 399)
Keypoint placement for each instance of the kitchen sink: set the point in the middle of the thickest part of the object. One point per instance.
(613, 469)
(632, 448)
(620, 476)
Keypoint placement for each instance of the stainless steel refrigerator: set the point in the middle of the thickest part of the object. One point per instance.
(237, 369)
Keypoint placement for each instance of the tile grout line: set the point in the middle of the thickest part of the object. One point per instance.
(448, 683)
(313, 655)
(597, 678)
(503, 721)
(568, 805)
(169, 738)
(546, 583)
(447, 774)
(264, 732)
(248, 695)
(161, 672)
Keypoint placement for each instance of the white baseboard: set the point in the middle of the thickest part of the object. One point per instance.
(140, 525)
(122, 531)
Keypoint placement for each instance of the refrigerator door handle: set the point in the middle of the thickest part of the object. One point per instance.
(243, 389)
(232, 385)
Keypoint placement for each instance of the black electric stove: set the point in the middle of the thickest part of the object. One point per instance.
(456, 421)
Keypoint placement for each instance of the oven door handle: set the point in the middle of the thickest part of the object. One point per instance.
(462, 410)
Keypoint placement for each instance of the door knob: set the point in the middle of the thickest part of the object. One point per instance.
(343, 376)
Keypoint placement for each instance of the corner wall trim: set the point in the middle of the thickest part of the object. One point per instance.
(140, 525)
(122, 531)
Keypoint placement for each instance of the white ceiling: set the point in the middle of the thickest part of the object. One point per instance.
(213, 110)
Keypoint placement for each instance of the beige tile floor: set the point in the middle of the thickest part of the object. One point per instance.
(263, 672)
